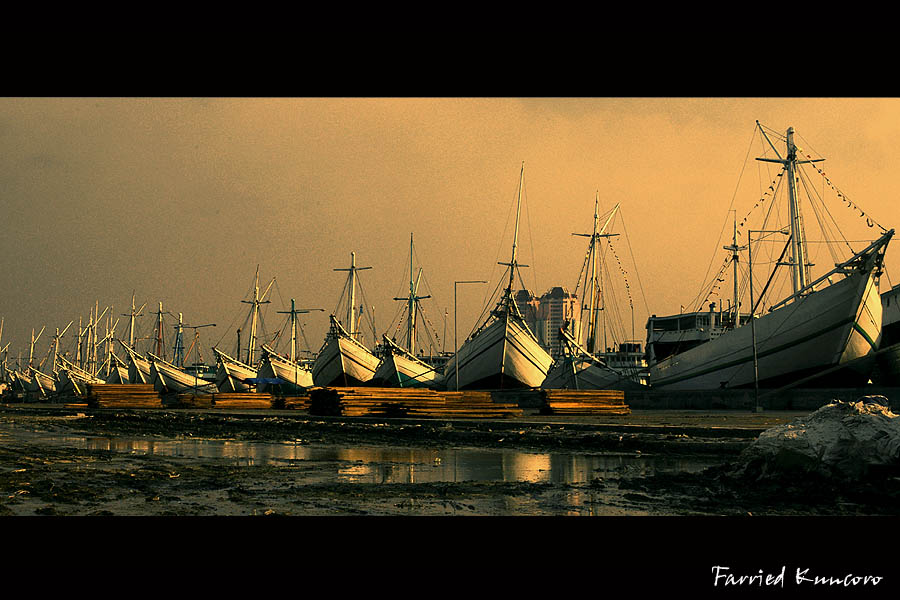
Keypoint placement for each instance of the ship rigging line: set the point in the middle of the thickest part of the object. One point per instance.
(725, 222)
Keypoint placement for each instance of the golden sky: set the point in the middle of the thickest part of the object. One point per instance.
(179, 199)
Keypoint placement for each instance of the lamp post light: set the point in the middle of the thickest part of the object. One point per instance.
(750, 233)
(455, 343)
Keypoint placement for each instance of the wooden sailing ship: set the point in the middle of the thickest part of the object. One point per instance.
(503, 352)
(824, 333)
(343, 359)
(400, 367)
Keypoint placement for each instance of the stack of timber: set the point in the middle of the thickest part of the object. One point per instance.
(406, 402)
(584, 403)
(294, 402)
(122, 395)
(188, 400)
(241, 400)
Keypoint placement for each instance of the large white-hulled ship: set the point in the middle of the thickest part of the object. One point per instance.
(344, 360)
(503, 352)
(233, 375)
(825, 332)
(167, 378)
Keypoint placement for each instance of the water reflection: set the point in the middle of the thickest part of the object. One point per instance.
(408, 465)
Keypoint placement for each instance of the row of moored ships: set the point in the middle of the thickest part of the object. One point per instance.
(837, 329)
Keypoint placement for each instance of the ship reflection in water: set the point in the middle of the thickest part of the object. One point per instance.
(406, 465)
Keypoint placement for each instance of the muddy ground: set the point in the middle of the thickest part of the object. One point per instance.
(46, 468)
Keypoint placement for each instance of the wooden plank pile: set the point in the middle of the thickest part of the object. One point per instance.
(241, 400)
(122, 395)
(406, 402)
(296, 402)
(584, 403)
(187, 400)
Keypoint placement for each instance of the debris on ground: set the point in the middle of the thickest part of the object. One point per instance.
(848, 441)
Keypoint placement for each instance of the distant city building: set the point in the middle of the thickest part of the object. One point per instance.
(545, 315)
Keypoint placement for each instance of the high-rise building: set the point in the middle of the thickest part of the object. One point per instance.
(545, 315)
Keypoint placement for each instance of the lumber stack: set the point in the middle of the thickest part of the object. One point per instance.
(584, 403)
(122, 395)
(241, 400)
(406, 402)
(187, 400)
(296, 402)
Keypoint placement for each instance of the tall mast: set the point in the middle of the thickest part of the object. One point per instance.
(254, 315)
(178, 348)
(798, 238)
(294, 312)
(134, 313)
(412, 301)
(513, 264)
(734, 261)
(591, 341)
(159, 331)
(351, 304)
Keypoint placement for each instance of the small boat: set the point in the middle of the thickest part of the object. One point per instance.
(592, 366)
(343, 359)
(824, 333)
(503, 352)
(292, 375)
(578, 369)
(399, 366)
(233, 374)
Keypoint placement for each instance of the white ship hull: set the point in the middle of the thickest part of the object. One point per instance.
(343, 362)
(504, 355)
(399, 369)
(166, 377)
(72, 380)
(138, 367)
(294, 375)
(118, 375)
(232, 375)
(47, 383)
(581, 374)
(828, 328)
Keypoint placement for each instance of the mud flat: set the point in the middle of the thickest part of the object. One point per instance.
(59, 461)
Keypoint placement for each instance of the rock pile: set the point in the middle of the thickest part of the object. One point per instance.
(843, 440)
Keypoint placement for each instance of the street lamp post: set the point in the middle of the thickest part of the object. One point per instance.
(455, 343)
(750, 233)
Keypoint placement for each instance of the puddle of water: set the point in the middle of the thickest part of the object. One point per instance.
(405, 465)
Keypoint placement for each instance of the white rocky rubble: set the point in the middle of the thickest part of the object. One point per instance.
(846, 440)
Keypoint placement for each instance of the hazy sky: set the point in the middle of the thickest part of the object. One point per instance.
(179, 199)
